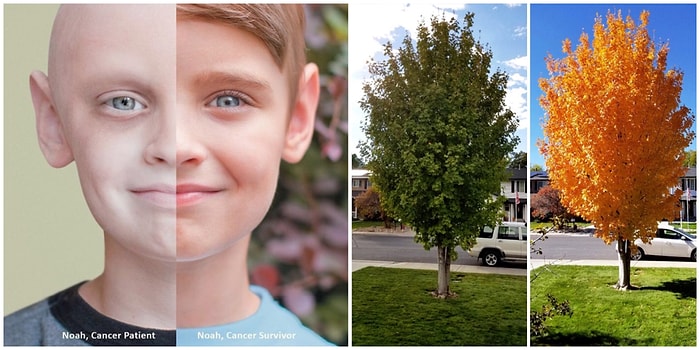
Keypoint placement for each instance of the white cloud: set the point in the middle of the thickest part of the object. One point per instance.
(516, 79)
(520, 62)
(516, 100)
(520, 31)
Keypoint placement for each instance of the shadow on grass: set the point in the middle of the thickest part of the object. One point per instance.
(593, 338)
(683, 289)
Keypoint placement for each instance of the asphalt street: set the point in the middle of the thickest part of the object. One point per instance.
(398, 247)
(400, 250)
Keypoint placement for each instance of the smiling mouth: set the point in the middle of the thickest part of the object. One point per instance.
(188, 195)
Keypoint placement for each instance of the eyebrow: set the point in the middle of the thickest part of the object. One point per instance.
(237, 78)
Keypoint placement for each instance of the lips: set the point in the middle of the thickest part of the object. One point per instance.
(180, 196)
(191, 194)
(160, 195)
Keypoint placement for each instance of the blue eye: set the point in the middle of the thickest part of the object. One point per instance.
(125, 103)
(227, 101)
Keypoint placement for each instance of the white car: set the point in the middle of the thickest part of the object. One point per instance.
(507, 241)
(669, 241)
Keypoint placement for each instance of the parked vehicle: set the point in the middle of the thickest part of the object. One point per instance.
(669, 241)
(507, 241)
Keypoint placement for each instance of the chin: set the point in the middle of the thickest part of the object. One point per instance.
(194, 249)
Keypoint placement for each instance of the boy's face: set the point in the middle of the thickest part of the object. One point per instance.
(177, 128)
(232, 115)
(112, 79)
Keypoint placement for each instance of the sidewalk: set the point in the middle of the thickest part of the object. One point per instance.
(359, 264)
(533, 264)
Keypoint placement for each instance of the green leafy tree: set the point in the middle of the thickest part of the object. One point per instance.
(439, 136)
(536, 167)
(519, 160)
(691, 159)
(357, 162)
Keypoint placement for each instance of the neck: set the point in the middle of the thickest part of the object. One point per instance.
(215, 289)
(133, 289)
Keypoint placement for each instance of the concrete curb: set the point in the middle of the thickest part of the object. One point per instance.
(404, 233)
(360, 264)
(535, 263)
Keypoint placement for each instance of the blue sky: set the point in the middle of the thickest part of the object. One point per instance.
(502, 27)
(551, 24)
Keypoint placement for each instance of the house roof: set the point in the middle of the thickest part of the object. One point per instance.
(539, 174)
(360, 173)
(691, 172)
(520, 173)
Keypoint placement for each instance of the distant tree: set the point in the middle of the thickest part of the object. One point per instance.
(536, 167)
(519, 160)
(438, 136)
(615, 132)
(357, 162)
(691, 159)
(546, 205)
(369, 205)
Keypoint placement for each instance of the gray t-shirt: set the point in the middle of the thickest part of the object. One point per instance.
(65, 319)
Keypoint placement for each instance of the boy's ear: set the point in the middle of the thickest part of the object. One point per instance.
(49, 129)
(301, 124)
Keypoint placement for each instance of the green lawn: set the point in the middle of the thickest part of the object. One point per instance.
(394, 307)
(364, 224)
(688, 226)
(662, 312)
(534, 226)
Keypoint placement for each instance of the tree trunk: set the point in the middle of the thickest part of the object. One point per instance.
(624, 256)
(443, 271)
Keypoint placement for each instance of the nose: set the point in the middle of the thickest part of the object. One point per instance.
(189, 148)
(161, 147)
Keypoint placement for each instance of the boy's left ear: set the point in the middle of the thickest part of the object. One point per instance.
(301, 124)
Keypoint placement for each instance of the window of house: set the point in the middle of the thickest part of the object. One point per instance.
(355, 183)
(517, 186)
(690, 183)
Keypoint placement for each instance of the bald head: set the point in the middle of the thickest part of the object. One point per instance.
(86, 39)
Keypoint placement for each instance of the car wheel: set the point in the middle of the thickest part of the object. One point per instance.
(694, 255)
(491, 258)
(638, 255)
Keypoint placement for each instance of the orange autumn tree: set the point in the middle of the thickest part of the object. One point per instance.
(615, 132)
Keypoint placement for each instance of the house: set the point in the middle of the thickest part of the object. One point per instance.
(515, 191)
(687, 183)
(538, 179)
(360, 184)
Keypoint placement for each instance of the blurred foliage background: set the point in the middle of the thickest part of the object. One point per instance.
(300, 251)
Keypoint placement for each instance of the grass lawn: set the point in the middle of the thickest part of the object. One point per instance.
(662, 312)
(688, 226)
(394, 307)
(363, 224)
(534, 226)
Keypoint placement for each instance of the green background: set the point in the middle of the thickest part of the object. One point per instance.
(50, 239)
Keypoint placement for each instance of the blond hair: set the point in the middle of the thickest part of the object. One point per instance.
(279, 26)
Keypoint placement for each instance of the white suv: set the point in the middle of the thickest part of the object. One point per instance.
(507, 241)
